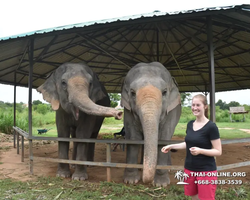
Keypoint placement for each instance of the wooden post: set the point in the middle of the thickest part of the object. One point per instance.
(31, 55)
(108, 161)
(211, 69)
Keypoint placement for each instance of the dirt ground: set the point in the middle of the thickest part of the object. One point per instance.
(12, 167)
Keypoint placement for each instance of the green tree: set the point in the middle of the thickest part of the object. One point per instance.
(20, 107)
(36, 102)
(42, 108)
(233, 104)
(222, 105)
(8, 104)
(185, 96)
(2, 104)
(114, 99)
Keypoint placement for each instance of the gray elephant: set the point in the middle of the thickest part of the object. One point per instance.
(81, 103)
(152, 109)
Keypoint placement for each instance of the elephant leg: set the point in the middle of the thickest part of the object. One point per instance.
(132, 175)
(166, 132)
(63, 149)
(142, 154)
(91, 146)
(63, 168)
(91, 151)
(161, 175)
(84, 130)
(73, 135)
(81, 170)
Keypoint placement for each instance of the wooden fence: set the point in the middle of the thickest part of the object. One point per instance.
(108, 164)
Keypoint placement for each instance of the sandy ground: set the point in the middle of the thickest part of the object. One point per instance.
(12, 167)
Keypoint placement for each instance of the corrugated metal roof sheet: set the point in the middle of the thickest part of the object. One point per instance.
(125, 18)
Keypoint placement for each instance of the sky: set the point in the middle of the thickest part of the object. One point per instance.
(29, 15)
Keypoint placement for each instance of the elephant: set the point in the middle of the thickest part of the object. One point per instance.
(81, 103)
(152, 109)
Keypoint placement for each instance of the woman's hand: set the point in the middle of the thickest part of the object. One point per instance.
(166, 149)
(195, 151)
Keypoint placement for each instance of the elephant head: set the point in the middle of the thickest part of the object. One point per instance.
(74, 87)
(149, 93)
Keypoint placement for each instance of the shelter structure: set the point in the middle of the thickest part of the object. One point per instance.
(206, 50)
(180, 40)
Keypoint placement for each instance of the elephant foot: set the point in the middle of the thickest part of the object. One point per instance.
(161, 180)
(80, 176)
(63, 173)
(131, 176)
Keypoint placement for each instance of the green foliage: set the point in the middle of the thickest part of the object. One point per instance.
(22, 119)
(186, 115)
(185, 96)
(114, 99)
(222, 105)
(42, 109)
(36, 102)
(6, 122)
(39, 120)
(221, 115)
(233, 104)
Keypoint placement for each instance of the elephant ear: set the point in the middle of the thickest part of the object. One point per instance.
(174, 98)
(97, 91)
(125, 97)
(49, 92)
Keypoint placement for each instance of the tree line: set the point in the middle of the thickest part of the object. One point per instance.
(44, 108)
(115, 98)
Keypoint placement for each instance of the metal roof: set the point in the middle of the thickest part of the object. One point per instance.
(111, 47)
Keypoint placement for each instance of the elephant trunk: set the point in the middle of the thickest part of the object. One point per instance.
(88, 106)
(150, 110)
(79, 96)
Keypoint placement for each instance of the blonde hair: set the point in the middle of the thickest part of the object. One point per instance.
(203, 99)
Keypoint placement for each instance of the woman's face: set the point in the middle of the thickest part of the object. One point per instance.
(198, 108)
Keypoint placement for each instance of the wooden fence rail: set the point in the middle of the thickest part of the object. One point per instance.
(108, 164)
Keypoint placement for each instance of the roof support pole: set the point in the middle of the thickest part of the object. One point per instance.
(15, 134)
(31, 55)
(157, 45)
(211, 67)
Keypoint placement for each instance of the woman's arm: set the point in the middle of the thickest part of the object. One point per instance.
(215, 151)
(167, 148)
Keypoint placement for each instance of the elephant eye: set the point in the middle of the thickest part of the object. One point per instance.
(164, 93)
(133, 94)
(64, 84)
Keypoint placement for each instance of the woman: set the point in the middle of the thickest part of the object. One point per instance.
(202, 143)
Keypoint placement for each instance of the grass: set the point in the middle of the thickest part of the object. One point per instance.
(57, 188)
(233, 132)
(105, 129)
(111, 126)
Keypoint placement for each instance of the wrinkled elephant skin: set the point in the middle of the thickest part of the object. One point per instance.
(81, 103)
(152, 109)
